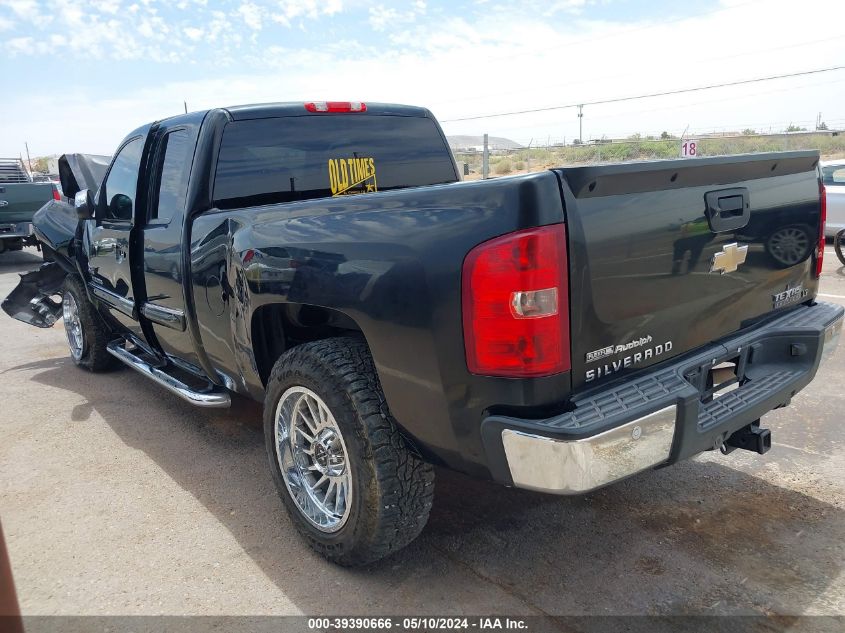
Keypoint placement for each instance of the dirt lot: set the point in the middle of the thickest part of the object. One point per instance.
(118, 498)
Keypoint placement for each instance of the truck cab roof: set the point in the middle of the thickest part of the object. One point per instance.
(290, 108)
(297, 108)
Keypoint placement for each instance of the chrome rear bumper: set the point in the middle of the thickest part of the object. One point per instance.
(570, 467)
(659, 417)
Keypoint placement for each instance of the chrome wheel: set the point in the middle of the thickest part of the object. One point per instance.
(789, 245)
(313, 459)
(73, 326)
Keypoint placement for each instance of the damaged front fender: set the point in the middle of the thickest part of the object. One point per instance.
(37, 298)
(32, 301)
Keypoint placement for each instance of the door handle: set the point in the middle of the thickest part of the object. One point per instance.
(727, 209)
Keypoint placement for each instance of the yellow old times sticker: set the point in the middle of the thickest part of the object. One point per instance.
(352, 175)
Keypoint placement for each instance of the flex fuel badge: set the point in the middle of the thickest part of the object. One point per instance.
(348, 176)
(789, 296)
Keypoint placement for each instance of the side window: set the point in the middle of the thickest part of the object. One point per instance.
(173, 178)
(118, 191)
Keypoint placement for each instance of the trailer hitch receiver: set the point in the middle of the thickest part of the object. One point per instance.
(749, 438)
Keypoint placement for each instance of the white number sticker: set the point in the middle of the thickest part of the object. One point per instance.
(689, 148)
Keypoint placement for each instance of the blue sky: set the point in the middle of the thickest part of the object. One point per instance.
(106, 66)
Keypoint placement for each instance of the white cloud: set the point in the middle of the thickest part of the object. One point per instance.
(287, 11)
(251, 14)
(193, 33)
(330, 7)
(27, 9)
(156, 34)
(153, 27)
(19, 45)
(106, 6)
(382, 18)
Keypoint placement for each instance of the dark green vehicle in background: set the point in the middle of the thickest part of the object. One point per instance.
(20, 198)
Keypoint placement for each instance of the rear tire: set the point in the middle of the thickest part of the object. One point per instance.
(88, 336)
(838, 240)
(328, 390)
(790, 245)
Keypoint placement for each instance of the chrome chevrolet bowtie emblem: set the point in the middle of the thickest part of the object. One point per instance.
(729, 259)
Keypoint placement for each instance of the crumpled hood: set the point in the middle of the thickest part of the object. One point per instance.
(82, 171)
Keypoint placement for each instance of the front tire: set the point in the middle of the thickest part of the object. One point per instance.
(87, 334)
(348, 479)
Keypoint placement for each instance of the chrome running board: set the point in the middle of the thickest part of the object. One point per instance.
(214, 397)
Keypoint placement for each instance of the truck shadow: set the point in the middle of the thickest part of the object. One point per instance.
(20, 261)
(697, 538)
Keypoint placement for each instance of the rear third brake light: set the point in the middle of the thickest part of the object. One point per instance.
(822, 223)
(515, 304)
(336, 106)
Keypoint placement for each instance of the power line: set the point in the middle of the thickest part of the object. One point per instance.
(648, 95)
(695, 104)
(568, 84)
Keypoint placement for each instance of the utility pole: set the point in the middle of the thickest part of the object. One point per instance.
(528, 157)
(28, 159)
(485, 161)
(185, 103)
(580, 124)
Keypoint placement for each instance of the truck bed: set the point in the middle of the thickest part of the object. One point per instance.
(642, 242)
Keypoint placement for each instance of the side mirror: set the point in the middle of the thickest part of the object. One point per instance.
(120, 207)
(83, 202)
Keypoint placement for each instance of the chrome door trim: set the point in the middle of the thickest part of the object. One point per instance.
(121, 304)
(168, 317)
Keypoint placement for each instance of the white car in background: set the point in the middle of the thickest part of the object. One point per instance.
(833, 177)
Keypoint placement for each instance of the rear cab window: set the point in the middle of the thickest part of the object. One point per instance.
(286, 159)
(833, 174)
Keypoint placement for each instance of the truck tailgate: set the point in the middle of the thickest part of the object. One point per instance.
(18, 201)
(666, 256)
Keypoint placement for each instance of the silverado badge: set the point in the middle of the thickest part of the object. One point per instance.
(729, 259)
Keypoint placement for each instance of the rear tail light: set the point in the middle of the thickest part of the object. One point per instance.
(336, 106)
(56, 194)
(822, 223)
(516, 304)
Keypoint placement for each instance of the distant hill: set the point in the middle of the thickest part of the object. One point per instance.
(462, 141)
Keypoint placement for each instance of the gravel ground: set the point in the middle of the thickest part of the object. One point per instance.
(118, 498)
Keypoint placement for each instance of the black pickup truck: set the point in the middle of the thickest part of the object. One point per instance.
(556, 331)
